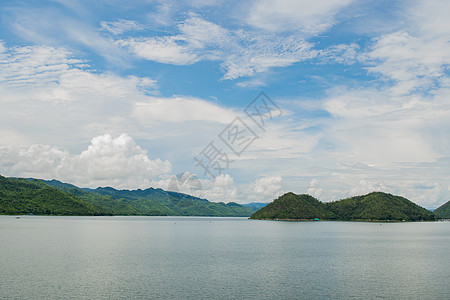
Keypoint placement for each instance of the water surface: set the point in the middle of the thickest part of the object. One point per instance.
(221, 258)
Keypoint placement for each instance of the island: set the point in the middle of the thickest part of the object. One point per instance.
(375, 206)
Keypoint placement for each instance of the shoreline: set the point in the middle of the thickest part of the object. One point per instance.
(358, 220)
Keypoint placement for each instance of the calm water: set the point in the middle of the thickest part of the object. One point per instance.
(221, 258)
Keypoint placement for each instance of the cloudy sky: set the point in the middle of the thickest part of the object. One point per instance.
(130, 93)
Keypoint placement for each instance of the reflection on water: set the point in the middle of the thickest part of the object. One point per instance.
(221, 258)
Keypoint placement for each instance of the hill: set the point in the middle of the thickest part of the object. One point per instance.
(108, 204)
(152, 202)
(22, 196)
(443, 211)
(379, 206)
(373, 206)
(295, 207)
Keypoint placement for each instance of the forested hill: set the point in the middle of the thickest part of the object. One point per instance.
(379, 206)
(292, 206)
(373, 206)
(443, 211)
(24, 196)
(40, 197)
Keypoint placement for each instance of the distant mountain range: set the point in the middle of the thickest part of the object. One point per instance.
(375, 206)
(255, 205)
(41, 197)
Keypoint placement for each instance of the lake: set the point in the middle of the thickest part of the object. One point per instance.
(221, 258)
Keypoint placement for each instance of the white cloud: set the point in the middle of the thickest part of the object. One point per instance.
(180, 109)
(308, 17)
(342, 54)
(162, 14)
(2, 46)
(49, 26)
(221, 189)
(413, 62)
(121, 26)
(167, 50)
(224, 189)
(315, 189)
(48, 98)
(258, 55)
(34, 65)
(242, 53)
(417, 57)
(264, 189)
(45, 94)
(251, 84)
(108, 161)
(379, 130)
(200, 33)
(428, 18)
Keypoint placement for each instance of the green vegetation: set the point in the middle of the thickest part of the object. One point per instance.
(379, 206)
(40, 197)
(106, 203)
(295, 207)
(373, 206)
(443, 211)
(22, 196)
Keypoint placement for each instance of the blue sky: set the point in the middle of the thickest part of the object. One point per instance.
(128, 95)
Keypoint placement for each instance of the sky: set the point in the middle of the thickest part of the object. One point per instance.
(251, 99)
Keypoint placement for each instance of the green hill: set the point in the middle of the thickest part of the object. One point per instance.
(373, 206)
(22, 196)
(292, 206)
(106, 203)
(379, 206)
(443, 211)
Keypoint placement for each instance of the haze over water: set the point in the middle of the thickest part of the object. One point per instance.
(221, 258)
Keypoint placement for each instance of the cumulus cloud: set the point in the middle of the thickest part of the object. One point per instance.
(108, 161)
(263, 189)
(220, 189)
(315, 189)
(223, 188)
